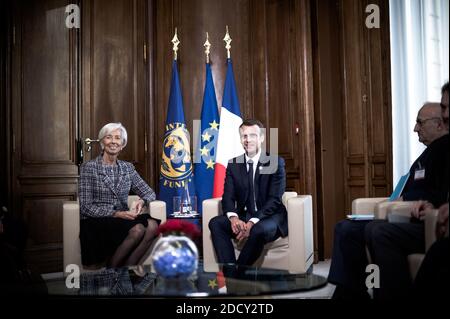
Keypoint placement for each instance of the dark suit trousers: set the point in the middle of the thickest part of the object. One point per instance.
(263, 232)
(433, 279)
(389, 245)
(349, 258)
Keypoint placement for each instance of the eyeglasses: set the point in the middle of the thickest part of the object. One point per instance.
(420, 122)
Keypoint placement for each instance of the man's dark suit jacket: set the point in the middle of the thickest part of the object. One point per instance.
(434, 186)
(269, 184)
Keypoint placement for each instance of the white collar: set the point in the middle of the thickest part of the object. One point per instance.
(255, 158)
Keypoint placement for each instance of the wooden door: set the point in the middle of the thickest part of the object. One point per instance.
(352, 109)
(114, 78)
(66, 84)
(367, 102)
(44, 125)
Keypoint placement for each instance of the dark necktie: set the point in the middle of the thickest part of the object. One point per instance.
(251, 193)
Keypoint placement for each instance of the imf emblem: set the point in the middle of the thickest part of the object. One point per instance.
(176, 158)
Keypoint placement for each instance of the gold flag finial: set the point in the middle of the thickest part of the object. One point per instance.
(175, 42)
(228, 40)
(207, 46)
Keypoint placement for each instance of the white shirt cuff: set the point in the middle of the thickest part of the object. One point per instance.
(254, 220)
(231, 214)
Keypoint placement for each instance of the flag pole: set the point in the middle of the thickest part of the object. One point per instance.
(207, 46)
(175, 42)
(228, 40)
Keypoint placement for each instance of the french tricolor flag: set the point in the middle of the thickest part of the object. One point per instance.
(228, 143)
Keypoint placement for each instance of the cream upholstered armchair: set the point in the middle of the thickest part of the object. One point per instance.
(71, 228)
(415, 260)
(294, 253)
(397, 211)
(379, 206)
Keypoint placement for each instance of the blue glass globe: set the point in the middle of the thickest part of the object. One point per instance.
(175, 257)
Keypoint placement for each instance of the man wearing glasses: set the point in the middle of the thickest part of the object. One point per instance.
(391, 243)
(428, 180)
(429, 123)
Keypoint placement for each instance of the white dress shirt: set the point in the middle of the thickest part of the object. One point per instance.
(255, 160)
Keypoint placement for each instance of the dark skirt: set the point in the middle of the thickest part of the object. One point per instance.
(100, 237)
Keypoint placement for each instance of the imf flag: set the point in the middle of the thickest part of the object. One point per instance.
(205, 152)
(176, 178)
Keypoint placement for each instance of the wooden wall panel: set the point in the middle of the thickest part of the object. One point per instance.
(47, 226)
(275, 79)
(309, 68)
(44, 144)
(265, 53)
(44, 101)
(44, 114)
(354, 76)
(329, 125)
(114, 74)
(379, 99)
(5, 16)
(307, 128)
(282, 78)
(352, 100)
(195, 19)
(366, 78)
(192, 20)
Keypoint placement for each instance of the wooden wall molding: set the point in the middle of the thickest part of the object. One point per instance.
(306, 67)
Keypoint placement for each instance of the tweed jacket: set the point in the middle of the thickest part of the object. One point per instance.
(98, 195)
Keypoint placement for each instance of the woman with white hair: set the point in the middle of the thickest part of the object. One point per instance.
(109, 231)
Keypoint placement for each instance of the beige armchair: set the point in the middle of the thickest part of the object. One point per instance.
(294, 253)
(397, 210)
(71, 228)
(377, 205)
(415, 260)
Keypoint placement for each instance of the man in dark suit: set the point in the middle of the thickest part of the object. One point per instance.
(428, 180)
(391, 243)
(433, 278)
(251, 202)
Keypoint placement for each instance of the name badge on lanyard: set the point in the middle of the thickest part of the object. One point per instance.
(419, 174)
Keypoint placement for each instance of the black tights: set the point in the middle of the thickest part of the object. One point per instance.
(135, 245)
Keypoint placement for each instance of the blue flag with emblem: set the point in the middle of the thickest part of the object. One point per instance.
(176, 185)
(205, 152)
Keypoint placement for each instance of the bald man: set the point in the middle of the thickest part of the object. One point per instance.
(428, 180)
(429, 124)
(391, 243)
